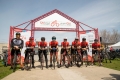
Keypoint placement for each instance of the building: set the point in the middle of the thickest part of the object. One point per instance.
(3, 46)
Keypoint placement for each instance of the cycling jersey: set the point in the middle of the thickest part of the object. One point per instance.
(30, 44)
(65, 44)
(42, 44)
(53, 44)
(84, 44)
(17, 42)
(75, 44)
(96, 45)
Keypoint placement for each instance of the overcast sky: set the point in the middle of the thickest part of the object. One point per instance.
(101, 14)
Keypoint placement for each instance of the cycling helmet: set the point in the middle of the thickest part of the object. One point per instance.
(42, 38)
(53, 38)
(95, 39)
(76, 38)
(83, 38)
(31, 38)
(17, 33)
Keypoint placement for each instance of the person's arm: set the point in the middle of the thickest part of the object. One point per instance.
(61, 45)
(21, 45)
(12, 44)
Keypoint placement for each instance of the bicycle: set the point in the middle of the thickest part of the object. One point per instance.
(28, 60)
(5, 56)
(66, 55)
(78, 58)
(85, 58)
(97, 57)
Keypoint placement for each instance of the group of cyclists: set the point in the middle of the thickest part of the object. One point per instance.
(66, 50)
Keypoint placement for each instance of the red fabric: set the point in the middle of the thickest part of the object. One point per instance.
(84, 44)
(53, 43)
(65, 44)
(96, 45)
(30, 44)
(74, 43)
(42, 44)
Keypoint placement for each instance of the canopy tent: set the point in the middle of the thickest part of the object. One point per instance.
(116, 45)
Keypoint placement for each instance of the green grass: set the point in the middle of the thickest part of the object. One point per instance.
(4, 71)
(114, 65)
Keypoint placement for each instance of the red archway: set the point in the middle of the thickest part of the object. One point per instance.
(56, 25)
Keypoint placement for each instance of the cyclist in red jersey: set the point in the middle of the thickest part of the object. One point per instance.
(30, 45)
(84, 47)
(53, 44)
(42, 45)
(64, 47)
(96, 48)
(75, 46)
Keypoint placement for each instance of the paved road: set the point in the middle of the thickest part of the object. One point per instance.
(72, 73)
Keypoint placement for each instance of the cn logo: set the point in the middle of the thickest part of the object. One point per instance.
(23, 37)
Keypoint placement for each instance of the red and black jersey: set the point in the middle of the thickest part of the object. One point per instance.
(96, 45)
(65, 44)
(53, 44)
(75, 44)
(42, 44)
(84, 44)
(30, 44)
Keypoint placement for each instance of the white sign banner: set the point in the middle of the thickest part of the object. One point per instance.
(55, 21)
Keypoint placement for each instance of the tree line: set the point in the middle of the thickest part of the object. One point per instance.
(110, 36)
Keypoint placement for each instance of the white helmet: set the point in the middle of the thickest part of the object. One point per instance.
(65, 38)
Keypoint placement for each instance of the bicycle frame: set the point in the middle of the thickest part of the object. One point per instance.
(14, 61)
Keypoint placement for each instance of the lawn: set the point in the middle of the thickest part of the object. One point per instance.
(4, 71)
(114, 65)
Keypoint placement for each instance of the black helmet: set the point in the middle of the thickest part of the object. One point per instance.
(17, 33)
(53, 37)
(95, 39)
(83, 38)
(42, 38)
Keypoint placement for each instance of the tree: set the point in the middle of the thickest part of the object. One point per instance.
(110, 36)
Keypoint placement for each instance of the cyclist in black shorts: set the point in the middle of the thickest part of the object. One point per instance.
(16, 46)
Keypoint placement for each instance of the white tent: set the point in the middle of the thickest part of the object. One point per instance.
(116, 45)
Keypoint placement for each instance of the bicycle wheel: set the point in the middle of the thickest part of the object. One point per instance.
(14, 62)
(26, 64)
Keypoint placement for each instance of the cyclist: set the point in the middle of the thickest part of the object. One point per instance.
(30, 45)
(53, 44)
(75, 47)
(84, 47)
(42, 45)
(64, 47)
(16, 45)
(96, 49)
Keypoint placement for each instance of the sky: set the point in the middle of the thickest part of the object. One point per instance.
(101, 14)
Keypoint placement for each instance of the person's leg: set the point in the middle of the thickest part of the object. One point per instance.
(12, 56)
(50, 59)
(32, 56)
(93, 54)
(46, 59)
